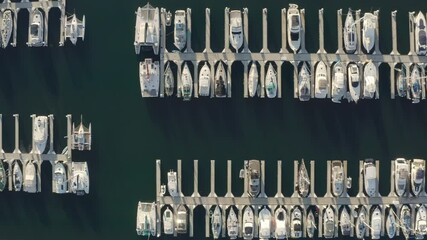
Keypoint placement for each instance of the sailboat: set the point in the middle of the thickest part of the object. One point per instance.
(345, 222)
(350, 36)
(169, 81)
(390, 223)
(187, 83)
(253, 80)
(221, 82)
(304, 83)
(303, 184)
(361, 223)
(415, 84)
(405, 221)
(3, 176)
(329, 222)
(271, 82)
(17, 177)
(6, 27)
(232, 224)
(368, 31)
(216, 222)
(311, 224)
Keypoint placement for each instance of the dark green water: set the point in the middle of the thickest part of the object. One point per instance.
(99, 79)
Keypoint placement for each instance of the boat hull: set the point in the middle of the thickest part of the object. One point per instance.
(204, 81)
(271, 82)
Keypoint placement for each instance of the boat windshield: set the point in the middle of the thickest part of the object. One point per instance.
(280, 216)
(248, 230)
(420, 174)
(422, 38)
(35, 29)
(295, 36)
(323, 84)
(297, 227)
(350, 37)
(295, 21)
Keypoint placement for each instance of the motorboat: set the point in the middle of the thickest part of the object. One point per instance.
(264, 224)
(3, 176)
(376, 222)
(81, 136)
(36, 29)
(17, 177)
(329, 222)
(361, 223)
(321, 81)
(149, 78)
(296, 223)
(205, 80)
(401, 82)
(405, 221)
(187, 83)
(354, 81)
(172, 184)
(232, 224)
(368, 31)
(401, 175)
(311, 224)
(168, 19)
(338, 83)
(337, 178)
(248, 223)
(254, 174)
(6, 28)
(370, 80)
(40, 134)
(417, 176)
(181, 220)
(303, 184)
(420, 34)
(370, 177)
(253, 80)
(221, 83)
(415, 84)
(271, 82)
(236, 29)
(421, 222)
(304, 83)
(294, 27)
(75, 28)
(59, 179)
(147, 28)
(30, 179)
(281, 224)
(345, 222)
(350, 36)
(146, 219)
(80, 178)
(169, 81)
(216, 222)
(168, 223)
(390, 223)
(180, 30)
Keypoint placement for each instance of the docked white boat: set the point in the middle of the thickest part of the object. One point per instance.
(40, 134)
(81, 136)
(232, 224)
(390, 224)
(80, 178)
(345, 222)
(181, 220)
(370, 80)
(17, 177)
(147, 28)
(294, 27)
(59, 178)
(370, 177)
(169, 81)
(187, 83)
(339, 86)
(337, 178)
(221, 82)
(236, 29)
(329, 222)
(321, 81)
(3, 176)
(376, 222)
(368, 31)
(311, 224)
(253, 169)
(303, 184)
(354, 81)
(281, 225)
(417, 176)
(264, 224)
(401, 176)
(168, 222)
(180, 29)
(415, 84)
(421, 222)
(149, 78)
(205, 80)
(253, 80)
(420, 34)
(75, 28)
(146, 219)
(216, 222)
(271, 82)
(304, 83)
(350, 36)
(172, 184)
(248, 223)
(30, 179)
(296, 223)
(361, 223)
(401, 82)
(405, 221)
(6, 28)
(36, 29)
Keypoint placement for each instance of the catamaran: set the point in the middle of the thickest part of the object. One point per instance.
(205, 80)
(80, 178)
(149, 78)
(271, 82)
(350, 36)
(236, 29)
(147, 28)
(180, 31)
(294, 27)
(146, 219)
(74, 28)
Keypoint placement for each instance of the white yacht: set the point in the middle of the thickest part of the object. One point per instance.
(271, 82)
(421, 222)
(264, 224)
(361, 223)
(232, 224)
(337, 178)
(417, 176)
(281, 224)
(370, 80)
(405, 221)
(339, 86)
(401, 81)
(294, 27)
(75, 28)
(376, 222)
(3, 176)
(169, 81)
(311, 224)
(147, 28)
(221, 83)
(149, 78)
(350, 36)
(187, 83)
(172, 184)
(401, 175)
(181, 220)
(391, 224)
(345, 222)
(17, 177)
(329, 222)
(370, 177)
(368, 31)
(253, 169)
(354, 81)
(296, 223)
(30, 179)
(415, 84)
(236, 29)
(253, 79)
(80, 178)
(321, 81)
(6, 27)
(40, 134)
(303, 184)
(304, 83)
(420, 34)
(205, 80)
(59, 178)
(248, 223)
(81, 136)
(216, 222)
(180, 29)
(168, 222)
(36, 29)
(146, 219)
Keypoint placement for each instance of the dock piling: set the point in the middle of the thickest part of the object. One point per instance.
(302, 50)
(179, 173)
(245, 31)
(226, 30)
(321, 33)
(284, 32)
(208, 30)
(189, 33)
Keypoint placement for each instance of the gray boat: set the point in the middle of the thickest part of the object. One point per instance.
(253, 169)
(303, 184)
(405, 221)
(345, 222)
(361, 223)
(169, 81)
